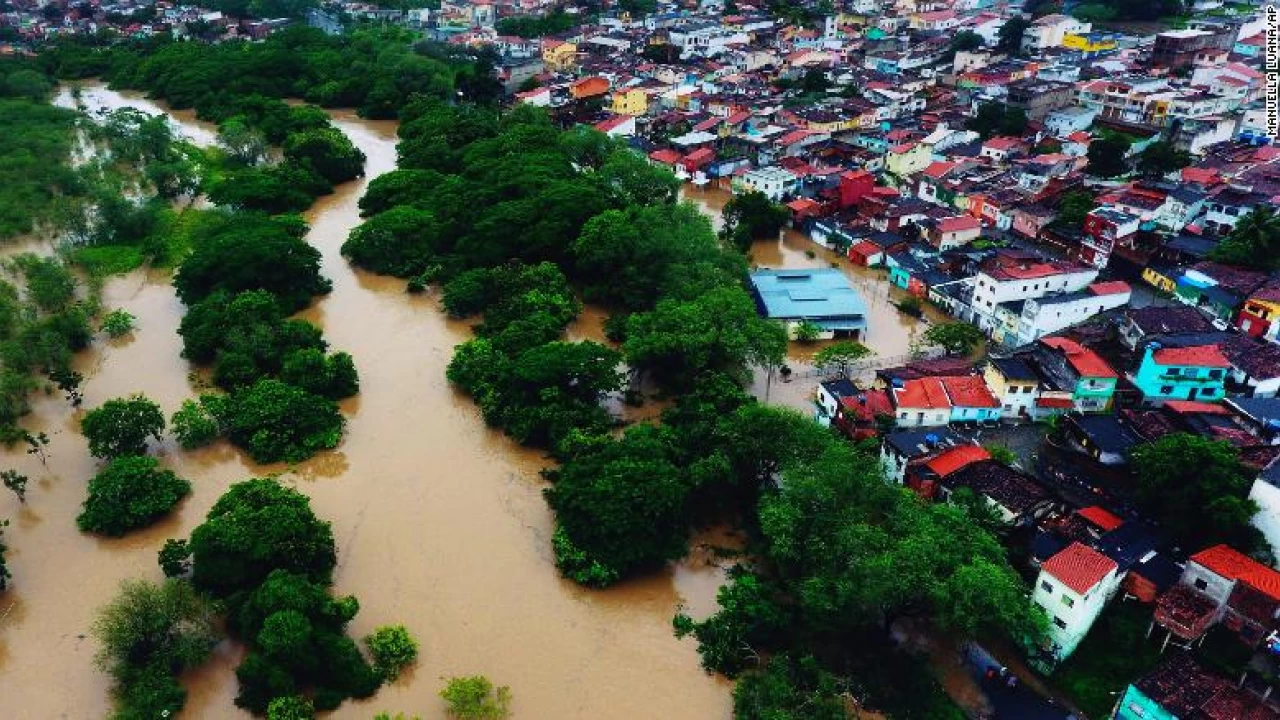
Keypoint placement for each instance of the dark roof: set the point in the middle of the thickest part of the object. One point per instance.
(917, 443)
(1014, 369)
(1128, 544)
(840, 387)
(938, 367)
(1012, 489)
(1169, 320)
(1107, 433)
(1237, 280)
(1259, 410)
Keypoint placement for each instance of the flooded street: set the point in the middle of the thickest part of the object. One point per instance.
(439, 521)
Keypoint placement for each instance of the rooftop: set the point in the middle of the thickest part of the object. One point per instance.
(1079, 567)
(1195, 356)
(818, 294)
(957, 458)
(1232, 564)
(926, 392)
(1085, 361)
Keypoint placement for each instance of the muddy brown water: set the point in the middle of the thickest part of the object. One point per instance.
(439, 521)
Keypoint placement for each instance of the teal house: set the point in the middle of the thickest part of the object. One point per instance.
(1180, 689)
(1184, 373)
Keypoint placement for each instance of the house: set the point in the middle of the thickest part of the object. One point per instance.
(1181, 373)
(1222, 585)
(863, 415)
(618, 126)
(822, 296)
(1139, 324)
(1179, 689)
(773, 181)
(1010, 279)
(828, 396)
(1049, 314)
(1014, 496)
(588, 88)
(1105, 438)
(1265, 491)
(952, 232)
(924, 477)
(630, 101)
(1261, 311)
(1066, 366)
(1015, 384)
(1072, 588)
(971, 399)
(559, 56)
(1218, 289)
(903, 452)
(922, 402)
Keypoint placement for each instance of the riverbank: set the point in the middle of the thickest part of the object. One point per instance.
(439, 521)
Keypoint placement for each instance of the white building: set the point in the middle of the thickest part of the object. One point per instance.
(1051, 313)
(1266, 493)
(1072, 588)
(773, 181)
(1049, 31)
(1064, 121)
(1015, 281)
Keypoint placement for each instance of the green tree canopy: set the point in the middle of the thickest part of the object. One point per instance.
(749, 216)
(256, 527)
(122, 426)
(1107, 156)
(1254, 242)
(275, 421)
(249, 252)
(957, 338)
(130, 493)
(1197, 490)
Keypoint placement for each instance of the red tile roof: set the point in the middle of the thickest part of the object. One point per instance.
(1085, 361)
(868, 405)
(666, 157)
(1113, 287)
(1196, 355)
(1191, 406)
(957, 458)
(969, 391)
(1079, 567)
(1234, 565)
(956, 224)
(1100, 517)
(922, 393)
(1053, 402)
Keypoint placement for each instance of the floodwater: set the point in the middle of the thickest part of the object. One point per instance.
(439, 521)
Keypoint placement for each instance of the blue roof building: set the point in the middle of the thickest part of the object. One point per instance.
(822, 296)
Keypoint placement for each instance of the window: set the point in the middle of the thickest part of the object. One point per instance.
(1173, 372)
(1215, 374)
(1046, 586)
(1068, 600)
(1166, 390)
(1059, 622)
(1201, 584)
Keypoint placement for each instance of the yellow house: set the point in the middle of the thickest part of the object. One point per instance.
(1157, 278)
(908, 159)
(630, 102)
(1088, 43)
(557, 55)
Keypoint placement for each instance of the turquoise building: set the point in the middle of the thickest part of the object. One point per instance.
(1186, 373)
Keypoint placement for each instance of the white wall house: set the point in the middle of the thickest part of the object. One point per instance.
(921, 403)
(1072, 588)
(1047, 315)
(773, 181)
(1266, 493)
(1024, 281)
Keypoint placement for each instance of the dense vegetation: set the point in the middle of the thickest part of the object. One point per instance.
(1198, 491)
(511, 217)
(375, 71)
(44, 321)
(121, 427)
(130, 493)
(265, 555)
(149, 635)
(36, 147)
(1254, 241)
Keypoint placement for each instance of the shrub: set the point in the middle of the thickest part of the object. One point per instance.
(118, 323)
(194, 425)
(274, 421)
(130, 493)
(475, 698)
(122, 426)
(393, 649)
(175, 558)
(149, 633)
